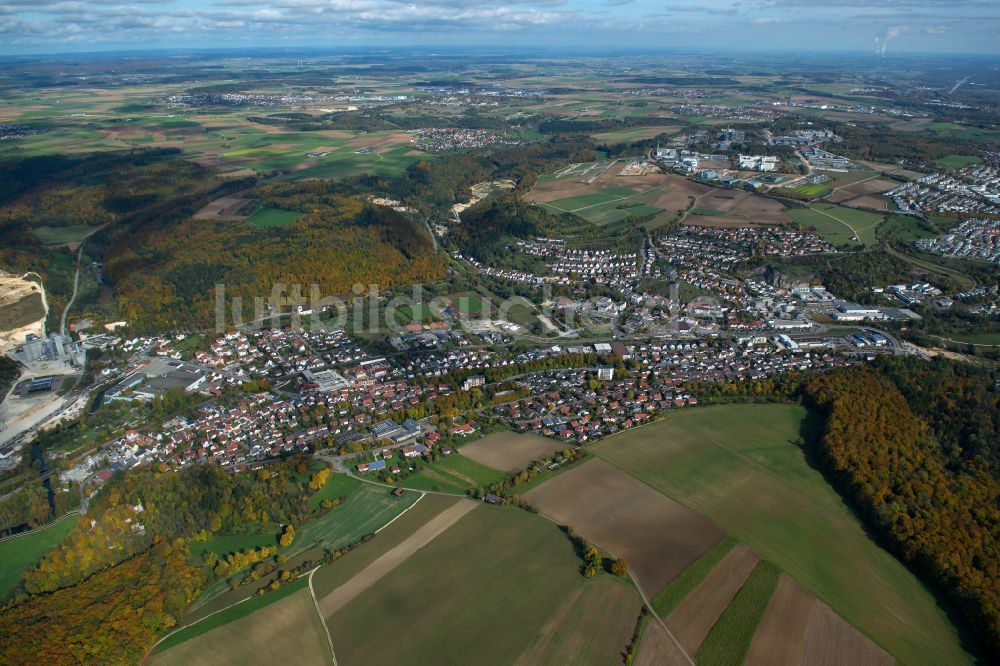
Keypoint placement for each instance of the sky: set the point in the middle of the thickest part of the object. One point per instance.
(892, 26)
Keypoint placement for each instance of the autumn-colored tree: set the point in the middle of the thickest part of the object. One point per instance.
(620, 567)
(287, 536)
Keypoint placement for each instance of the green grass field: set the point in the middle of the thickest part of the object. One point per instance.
(272, 217)
(454, 473)
(815, 191)
(953, 162)
(20, 553)
(225, 544)
(331, 576)
(980, 338)
(414, 314)
(706, 211)
(608, 205)
(338, 485)
(366, 509)
(729, 640)
(63, 235)
(837, 224)
(469, 304)
(739, 465)
(673, 594)
(481, 592)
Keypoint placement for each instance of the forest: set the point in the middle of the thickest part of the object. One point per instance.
(914, 450)
(123, 575)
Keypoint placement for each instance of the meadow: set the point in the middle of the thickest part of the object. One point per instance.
(839, 225)
(743, 467)
(272, 217)
(24, 551)
(453, 473)
(953, 162)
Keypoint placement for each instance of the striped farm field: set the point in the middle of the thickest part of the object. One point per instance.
(740, 466)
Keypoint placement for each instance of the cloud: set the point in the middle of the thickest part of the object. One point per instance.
(769, 20)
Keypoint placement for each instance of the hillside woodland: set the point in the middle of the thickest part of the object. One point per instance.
(914, 447)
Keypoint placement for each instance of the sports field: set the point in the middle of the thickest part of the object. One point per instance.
(491, 589)
(739, 465)
(21, 552)
(814, 191)
(839, 225)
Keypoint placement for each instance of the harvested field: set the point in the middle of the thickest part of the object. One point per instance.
(781, 636)
(510, 451)
(696, 615)
(659, 649)
(658, 536)
(379, 140)
(289, 626)
(832, 642)
(378, 569)
(592, 626)
(223, 208)
(873, 203)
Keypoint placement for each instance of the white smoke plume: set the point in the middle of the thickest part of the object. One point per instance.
(882, 41)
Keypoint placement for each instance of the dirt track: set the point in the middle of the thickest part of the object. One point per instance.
(781, 636)
(657, 649)
(691, 621)
(375, 571)
(658, 536)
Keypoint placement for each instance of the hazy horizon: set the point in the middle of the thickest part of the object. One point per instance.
(895, 26)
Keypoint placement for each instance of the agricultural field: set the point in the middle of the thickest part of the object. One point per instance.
(510, 451)
(225, 139)
(454, 473)
(741, 466)
(330, 577)
(595, 193)
(366, 509)
(287, 624)
(839, 225)
(493, 588)
(658, 536)
(24, 551)
(634, 134)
